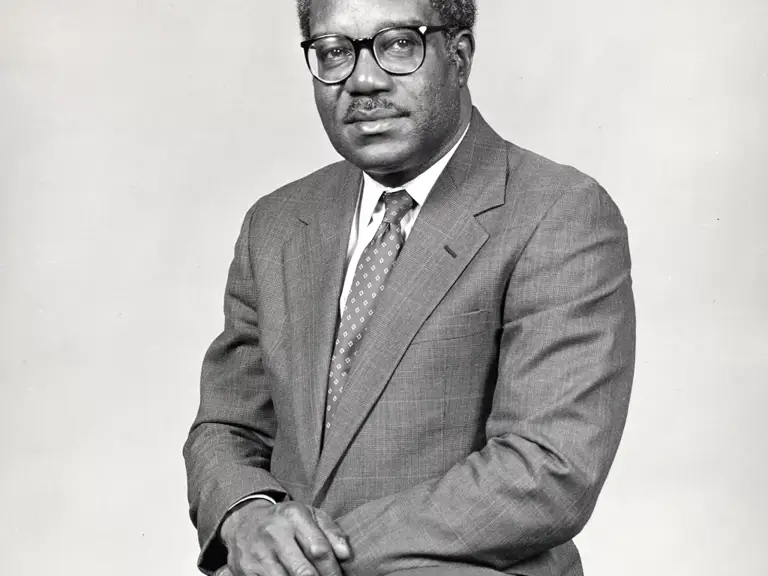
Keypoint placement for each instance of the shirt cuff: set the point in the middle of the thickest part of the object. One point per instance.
(250, 497)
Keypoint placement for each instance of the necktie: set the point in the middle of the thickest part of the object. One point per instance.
(375, 265)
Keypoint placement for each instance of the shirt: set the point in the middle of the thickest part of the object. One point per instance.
(369, 212)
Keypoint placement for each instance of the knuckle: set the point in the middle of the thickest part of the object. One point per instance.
(259, 555)
(292, 510)
(303, 569)
(249, 566)
(269, 533)
(319, 550)
(259, 552)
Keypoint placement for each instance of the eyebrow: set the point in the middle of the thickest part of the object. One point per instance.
(382, 26)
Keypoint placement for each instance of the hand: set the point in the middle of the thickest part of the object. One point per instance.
(287, 539)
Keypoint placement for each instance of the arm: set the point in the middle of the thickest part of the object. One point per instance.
(564, 377)
(229, 447)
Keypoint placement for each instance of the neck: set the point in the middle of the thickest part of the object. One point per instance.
(397, 179)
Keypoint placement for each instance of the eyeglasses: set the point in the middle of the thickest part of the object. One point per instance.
(399, 50)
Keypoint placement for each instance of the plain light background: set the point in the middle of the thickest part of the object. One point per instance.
(135, 134)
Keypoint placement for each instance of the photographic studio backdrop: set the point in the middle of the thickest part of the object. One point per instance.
(135, 134)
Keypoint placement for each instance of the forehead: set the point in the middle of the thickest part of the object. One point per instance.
(358, 18)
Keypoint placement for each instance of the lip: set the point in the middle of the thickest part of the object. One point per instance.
(375, 127)
(366, 116)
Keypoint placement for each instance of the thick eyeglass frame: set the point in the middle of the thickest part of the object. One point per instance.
(368, 42)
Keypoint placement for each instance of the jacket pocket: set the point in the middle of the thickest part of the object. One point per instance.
(440, 327)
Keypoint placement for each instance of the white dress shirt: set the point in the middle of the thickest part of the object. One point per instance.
(370, 212)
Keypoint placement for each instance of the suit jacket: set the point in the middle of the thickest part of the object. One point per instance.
(491, 390)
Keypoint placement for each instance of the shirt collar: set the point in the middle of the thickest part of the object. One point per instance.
(418, 188)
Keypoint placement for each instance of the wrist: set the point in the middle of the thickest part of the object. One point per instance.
(237, 514)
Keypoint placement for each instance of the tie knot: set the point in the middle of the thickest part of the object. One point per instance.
(396, 205)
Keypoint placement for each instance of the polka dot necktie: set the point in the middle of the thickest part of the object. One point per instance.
(375, 265)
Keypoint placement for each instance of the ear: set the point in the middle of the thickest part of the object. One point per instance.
(463, 54)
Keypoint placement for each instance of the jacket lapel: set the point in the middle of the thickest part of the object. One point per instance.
(441, 244)
(327, 213)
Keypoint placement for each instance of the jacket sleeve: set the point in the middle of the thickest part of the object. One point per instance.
(228, 451)
(565, 368)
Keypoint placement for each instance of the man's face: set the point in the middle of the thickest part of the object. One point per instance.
(382, 123)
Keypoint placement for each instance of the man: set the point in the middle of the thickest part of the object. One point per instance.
(428, 347)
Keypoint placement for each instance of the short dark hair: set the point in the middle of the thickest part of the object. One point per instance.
(456, 14)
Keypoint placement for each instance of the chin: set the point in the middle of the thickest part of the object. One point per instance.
(380, 156)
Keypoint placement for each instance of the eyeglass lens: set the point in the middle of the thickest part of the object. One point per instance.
(397, 50)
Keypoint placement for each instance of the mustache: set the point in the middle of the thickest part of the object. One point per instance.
(370, 103)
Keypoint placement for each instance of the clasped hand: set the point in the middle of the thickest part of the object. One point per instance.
(287, 539)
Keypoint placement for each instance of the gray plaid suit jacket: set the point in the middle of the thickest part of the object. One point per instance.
(487, 404)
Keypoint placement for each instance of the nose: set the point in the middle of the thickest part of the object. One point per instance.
(367, 77)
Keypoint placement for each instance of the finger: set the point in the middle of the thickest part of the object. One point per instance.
(313, 541)
(263, 562)
(335, 535)
(223, 571)
(258, 559)
(251, 567)
(320, 553)
(268, 567)
(296, 563)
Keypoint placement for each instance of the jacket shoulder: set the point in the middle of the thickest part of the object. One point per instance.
(269, 212)
(537, 172)
(300, 189)
(538, 182)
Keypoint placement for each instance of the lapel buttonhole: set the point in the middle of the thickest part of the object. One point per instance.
(451, 252)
